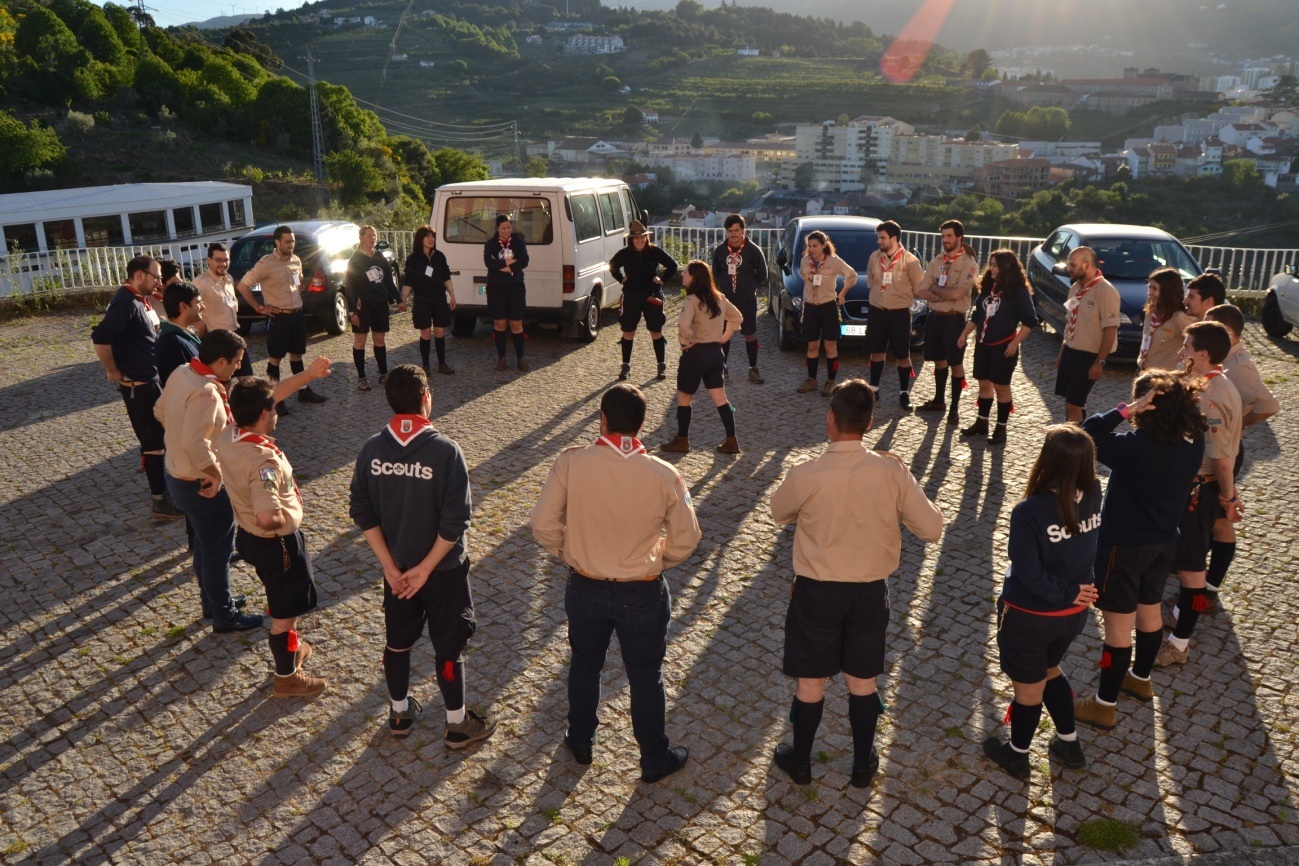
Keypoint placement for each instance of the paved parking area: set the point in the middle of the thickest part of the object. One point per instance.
(130, 734)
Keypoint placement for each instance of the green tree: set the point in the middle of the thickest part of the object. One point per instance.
(245, 41)
(26, 149)
(124, 26)
(977, 62)
(804, 174)
(43, 39)
(696, 140)
(358, 178)
(761, 117)
(1241, 174)
(537, 166)
(456, 166)
(1284, 92)
(611, 83)
(98, 37)
(632, 116)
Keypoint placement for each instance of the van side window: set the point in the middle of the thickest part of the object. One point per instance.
(611, 210)
(626, 204)
(586, 220)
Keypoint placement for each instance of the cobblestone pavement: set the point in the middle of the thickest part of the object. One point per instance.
(129, 733)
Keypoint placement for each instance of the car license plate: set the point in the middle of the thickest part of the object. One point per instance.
(853, 330)
(482, 289)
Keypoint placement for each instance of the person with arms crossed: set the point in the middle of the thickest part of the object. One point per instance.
(849, 505)
(410, 497)
(426, 283)
(894, 275)
(642, 268)
(1151, 471)
(821, 270)
(268, 510)
(1045, 596)
(1090, 332)
(948, 286)
(707, 322)
(370, 288)
(1002, 318)
(740, 268)
(506, 255)
(618, 518)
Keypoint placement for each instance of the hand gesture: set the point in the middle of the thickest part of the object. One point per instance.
(401, 306)
(961, 342)
(413, 580)
(1143, 403)
(393, 576)
(1011, 348)
(1087, 594)
(1094, 372)
(319, 367)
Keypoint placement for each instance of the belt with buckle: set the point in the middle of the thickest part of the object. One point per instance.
(617, 579)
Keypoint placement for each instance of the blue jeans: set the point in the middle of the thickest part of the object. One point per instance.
(213, 521)
(639, 612)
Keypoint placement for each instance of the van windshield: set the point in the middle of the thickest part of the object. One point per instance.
(471, 219)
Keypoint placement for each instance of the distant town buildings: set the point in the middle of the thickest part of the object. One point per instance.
(584, 43)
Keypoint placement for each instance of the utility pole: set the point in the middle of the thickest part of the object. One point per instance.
(317, 133)
(518, 151)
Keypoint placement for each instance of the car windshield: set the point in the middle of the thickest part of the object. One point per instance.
(854, 247)
(471, 219)
(1128, 259)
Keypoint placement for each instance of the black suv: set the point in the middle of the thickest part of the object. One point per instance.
(324, 246)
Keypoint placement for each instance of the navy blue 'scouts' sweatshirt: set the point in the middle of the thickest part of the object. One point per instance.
(413, 483)
(1047, 563)
(1149, 482)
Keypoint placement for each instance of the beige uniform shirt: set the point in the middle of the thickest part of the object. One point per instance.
(819, 286)
(615, 515)
(258, 478)
(954, 280)
(280, 279)
(1097, 309)
(192, 410)
(1159, 346)
(696, 325)
(220, 302)
(849, 505)
(893, 288)
(1220, 404)
(1243, 373)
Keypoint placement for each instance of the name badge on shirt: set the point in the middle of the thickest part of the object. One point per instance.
(152, 316)
(732, 268)
(1071, 305)
(816, 280)
(428, 270)
(507, 254)
(888, 278)
(1145, 343)
(295, 278)
(992, 306)
(942, 280)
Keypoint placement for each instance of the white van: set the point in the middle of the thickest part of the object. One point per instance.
(572, 226)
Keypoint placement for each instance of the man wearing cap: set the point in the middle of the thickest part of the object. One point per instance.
(220, 301)
(280, 275)
(740, 269)
(642, 268)
(618, 518)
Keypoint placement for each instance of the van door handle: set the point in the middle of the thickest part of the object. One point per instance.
(455, 273)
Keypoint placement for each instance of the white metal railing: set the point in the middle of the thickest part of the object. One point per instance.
(1246, 272)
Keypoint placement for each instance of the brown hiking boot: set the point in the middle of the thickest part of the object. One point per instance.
(500, 364)
(755, 377)
(935, 405)
(808, 386)
(828, 390)
(1141, 689)
(730, 446)
(678, 445)
(1090, 711)
(297, 685)
(1171, 655)
(300, 657)
(523, 365)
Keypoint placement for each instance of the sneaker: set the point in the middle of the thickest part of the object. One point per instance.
(401, 723)
(363, 384)
(998, 436)
(1004, 755)
(238, 598)
(444, 370)
(297, 685)
(623, 372)
(473, 729)
(954, 418)
(1166, 613)
(904, 399)
(1092, 712)
(282, 409)
(1142, 690)
(828, 389)
(862, 778)
(501, 366)
(730, 445)
(306, 395)
(523, 365)
(1068, 752)
(677, 757)
(799, 774)
(755, 377)
(165, 509)
(662, 371)
(383, 377)
(1171, 655)
(678, 445)
(934, 405)
(809, 385)
(240, 622)
(580, 754)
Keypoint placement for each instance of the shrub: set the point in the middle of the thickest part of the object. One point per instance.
(79, 123)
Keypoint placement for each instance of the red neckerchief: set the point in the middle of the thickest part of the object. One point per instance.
(736, 255)
(404, 428)
(1155, 324)
(504, 244)
(242, 435)
(816, 267)
(143, 299)
(894, 260)
(947, 260)
(206, 372)
(1082, 293)
(1214, 373)
(626, 446)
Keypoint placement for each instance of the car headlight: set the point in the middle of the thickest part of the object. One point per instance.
(338, 266)
(919, 305)
(798, 303)
(1125, 319)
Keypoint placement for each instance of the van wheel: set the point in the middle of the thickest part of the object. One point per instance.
(463, 326)
(1273, 322)
(591, 327)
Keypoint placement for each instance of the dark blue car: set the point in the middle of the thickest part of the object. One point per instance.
(854, 240)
